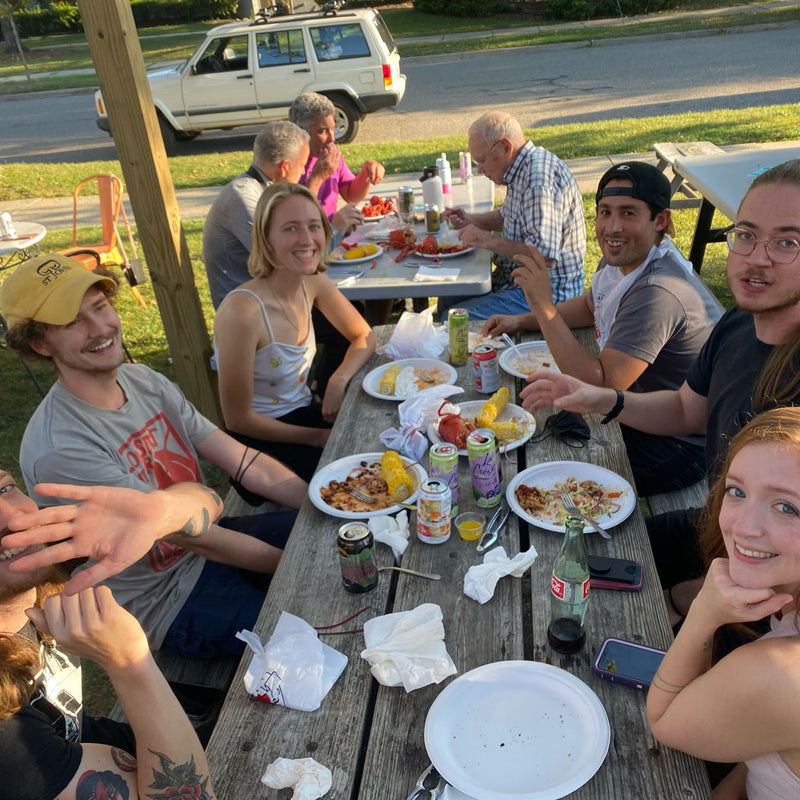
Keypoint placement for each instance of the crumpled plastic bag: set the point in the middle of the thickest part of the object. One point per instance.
(416, 413)
(307, 777)
(393, 531)
(295, 669)
(481, 579)
(415, 336)
(407, 648)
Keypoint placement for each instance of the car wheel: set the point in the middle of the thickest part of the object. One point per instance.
(186, 136)
(346, 119)
(169, 135)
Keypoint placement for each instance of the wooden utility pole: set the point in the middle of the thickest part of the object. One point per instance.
(118, 62)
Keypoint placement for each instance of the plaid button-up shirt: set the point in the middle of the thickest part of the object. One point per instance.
(544, 207)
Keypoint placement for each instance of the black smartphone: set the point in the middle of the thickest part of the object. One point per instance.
(627, 662)
(615, 573)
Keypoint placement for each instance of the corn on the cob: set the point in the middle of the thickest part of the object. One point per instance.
(361, 251)
(397, 479)
(508, 430)
(388, 380)
(492, 407)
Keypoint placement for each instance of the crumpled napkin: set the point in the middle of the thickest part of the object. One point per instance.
(392, 531)
(415, 336)
(437, 274)
(307, 777)
(480, 580)
(407, 648)
(415, 414)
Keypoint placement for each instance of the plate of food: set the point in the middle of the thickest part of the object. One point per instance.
(517, 730)
(330, 488)
(462, 251)
(534, 494)
(513, 426)
(527, 358)
(400, 379)
(377, 208)
(356, 254)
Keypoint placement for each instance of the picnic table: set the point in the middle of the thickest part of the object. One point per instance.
(370, 735)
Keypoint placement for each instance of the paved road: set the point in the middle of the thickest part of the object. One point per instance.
(635, 77)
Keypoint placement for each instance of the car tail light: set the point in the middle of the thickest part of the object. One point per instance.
(387, 76)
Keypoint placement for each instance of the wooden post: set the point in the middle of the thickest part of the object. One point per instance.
(118, 62)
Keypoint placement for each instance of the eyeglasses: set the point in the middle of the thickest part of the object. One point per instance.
(781, 249)
(480, 163)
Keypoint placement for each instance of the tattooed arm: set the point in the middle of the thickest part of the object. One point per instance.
(169, 755)
(113, 526)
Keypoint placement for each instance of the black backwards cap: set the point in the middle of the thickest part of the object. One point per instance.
(649, 184)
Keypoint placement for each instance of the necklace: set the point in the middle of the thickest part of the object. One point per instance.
(301, 318)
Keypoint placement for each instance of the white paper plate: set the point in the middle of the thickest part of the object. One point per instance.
(447, 255)
(373, 378)
(517, 730)
(339, 470)
(346, 261)
(547, 474)
(377, 218)
(471, 407)
(533, 353)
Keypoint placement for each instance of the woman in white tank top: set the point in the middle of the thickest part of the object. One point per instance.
(743, 708)
(264, 339)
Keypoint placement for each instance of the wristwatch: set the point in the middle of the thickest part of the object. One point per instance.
(618, 406)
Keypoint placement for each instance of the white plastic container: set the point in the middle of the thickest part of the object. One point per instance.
(432, 191)
(447, 180)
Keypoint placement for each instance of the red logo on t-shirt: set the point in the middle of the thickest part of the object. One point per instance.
(157, 455)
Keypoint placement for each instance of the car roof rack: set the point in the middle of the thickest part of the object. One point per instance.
(280, 9)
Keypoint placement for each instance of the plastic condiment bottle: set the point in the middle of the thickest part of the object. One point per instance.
(432, 192)
(447, 180)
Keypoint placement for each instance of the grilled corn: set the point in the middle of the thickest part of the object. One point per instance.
(508, 430)
(388, 380)
(362, 251)
(492, 407)
(397, 479)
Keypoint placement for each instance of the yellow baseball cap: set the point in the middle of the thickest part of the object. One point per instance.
(48, 288)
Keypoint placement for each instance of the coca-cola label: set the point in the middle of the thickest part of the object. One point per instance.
(559, 588)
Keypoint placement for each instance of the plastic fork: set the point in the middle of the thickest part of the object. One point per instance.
(569, 504)
(368, 498)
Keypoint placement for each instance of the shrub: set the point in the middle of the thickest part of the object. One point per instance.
(463, 8)
(595, 9)
(59, 17)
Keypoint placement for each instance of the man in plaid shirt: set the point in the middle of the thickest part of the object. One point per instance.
(543, 207)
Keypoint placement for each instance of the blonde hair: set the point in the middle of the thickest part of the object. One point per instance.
(261, 262)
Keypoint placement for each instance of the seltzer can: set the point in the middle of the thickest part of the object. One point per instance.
(443, 464)
(405, 204)
(433, 511)
(7, 229)
(357, 557)
(484, 468)
(458, 323)
(486, 368)
(432, 218)
(465, 166)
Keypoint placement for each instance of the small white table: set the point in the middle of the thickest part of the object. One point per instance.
(23, 246)
(723, 180)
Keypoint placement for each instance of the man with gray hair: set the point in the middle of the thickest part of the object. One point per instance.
(280, 151)
(325, 173)
(543, 208)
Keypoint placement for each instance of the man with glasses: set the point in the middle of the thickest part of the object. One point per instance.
(750, 363)
(543, 208)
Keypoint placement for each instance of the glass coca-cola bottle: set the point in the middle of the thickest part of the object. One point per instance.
(569, 591)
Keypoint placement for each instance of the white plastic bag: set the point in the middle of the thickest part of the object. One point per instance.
(416, 337)
(295, 669)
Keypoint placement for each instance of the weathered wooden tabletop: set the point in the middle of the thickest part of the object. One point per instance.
(371, 736)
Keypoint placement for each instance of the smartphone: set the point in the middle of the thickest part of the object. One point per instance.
(615, 573)
(627, 662)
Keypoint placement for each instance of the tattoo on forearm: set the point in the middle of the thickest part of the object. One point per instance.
(178, 781)
(123, 759)
(105, 785)
(192, 531)
(212, 494)
(665, 686)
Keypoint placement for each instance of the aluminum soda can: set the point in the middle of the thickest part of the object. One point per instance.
(486, 368)
(465, 166)
(484, 468)
(432, 218)
(433, 511)
(357, 557)
(443, 464)
(458, 322)
(7, 229)
(405, 204)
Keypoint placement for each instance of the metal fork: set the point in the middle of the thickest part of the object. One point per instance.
(569, 504)
(368, 498)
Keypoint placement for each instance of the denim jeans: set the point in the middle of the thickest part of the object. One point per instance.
(226, 599)
(508, 300)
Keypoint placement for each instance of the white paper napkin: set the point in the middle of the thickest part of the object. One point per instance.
(392, 531)
(480, 580)
(307, 777)
(437, 274)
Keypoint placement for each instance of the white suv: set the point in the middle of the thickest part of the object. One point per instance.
(250, 72)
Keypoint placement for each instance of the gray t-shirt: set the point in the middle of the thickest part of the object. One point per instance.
(148, 443)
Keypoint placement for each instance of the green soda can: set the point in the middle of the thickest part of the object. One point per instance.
(483, 467)
(458, 321)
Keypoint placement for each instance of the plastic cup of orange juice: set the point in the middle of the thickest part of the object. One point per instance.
(470, 525)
